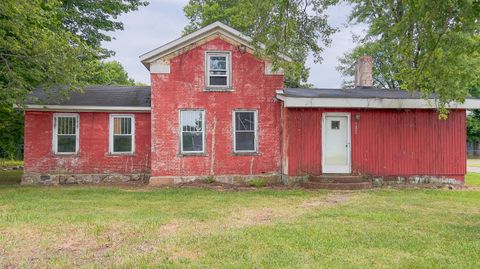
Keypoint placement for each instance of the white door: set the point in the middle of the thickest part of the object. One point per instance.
(336, 143)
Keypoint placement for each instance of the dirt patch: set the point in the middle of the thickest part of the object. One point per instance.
(251, 217)
(338, 198)
(331, 200)
(169, 228)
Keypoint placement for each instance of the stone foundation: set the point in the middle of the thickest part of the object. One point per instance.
(379, 181)
(415, 180)
(31, 178)
(228, 179)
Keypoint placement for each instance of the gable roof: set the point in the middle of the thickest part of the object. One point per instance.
(216, 28)
(364, 97)
(93, 98)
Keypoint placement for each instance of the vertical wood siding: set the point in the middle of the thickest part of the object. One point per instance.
(385, 142)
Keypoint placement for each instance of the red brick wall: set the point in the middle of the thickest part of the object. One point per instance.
(184, 87)
(93, 156)
(385, 142)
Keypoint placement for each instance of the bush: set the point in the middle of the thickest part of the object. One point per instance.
(257, 182)
(209, 180)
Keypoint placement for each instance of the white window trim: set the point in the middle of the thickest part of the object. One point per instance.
(181, 131)
(228, 55)
(234, 123)
(111, 128)
(55, 132)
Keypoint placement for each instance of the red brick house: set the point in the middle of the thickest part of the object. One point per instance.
(216, 110)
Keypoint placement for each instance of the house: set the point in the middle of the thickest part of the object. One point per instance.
(214, 109)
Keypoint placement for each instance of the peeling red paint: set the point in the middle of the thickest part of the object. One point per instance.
(93, 156)
(385, 142)
(184, 88)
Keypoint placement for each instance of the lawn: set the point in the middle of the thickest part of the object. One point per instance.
(114, 227)
(472, 179)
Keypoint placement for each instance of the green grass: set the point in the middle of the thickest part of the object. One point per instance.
(112, 227)
(10, 177)
(472, 179)
(10, 163)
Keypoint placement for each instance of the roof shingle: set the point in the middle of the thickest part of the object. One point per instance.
(115, 96)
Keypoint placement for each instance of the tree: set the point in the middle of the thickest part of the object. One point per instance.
(11, 132)
(473, 120)
(426, 46)
(109, 73)
(90, 20)
(286, 27)
(35, 50)
(383, 69)
(53, 43)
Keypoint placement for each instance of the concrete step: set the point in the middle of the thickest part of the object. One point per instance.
(338, 179)
(337, 186)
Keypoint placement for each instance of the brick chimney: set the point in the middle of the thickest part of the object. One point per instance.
(363, 72)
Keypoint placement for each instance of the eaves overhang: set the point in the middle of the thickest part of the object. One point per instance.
(373, 103)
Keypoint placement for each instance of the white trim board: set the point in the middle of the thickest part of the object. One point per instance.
(85, 108)
(55, 133)
(111, 135)
(234, 138)
(346, 169)
(371, 103)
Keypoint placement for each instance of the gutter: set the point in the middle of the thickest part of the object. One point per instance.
(83, 108)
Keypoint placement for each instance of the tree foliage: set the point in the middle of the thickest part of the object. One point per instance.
(108, 73)
(293, 28)
(90, 20)
(473, 120)
(53, 43)
(426, 46)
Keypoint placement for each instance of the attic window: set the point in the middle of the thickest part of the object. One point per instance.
(218, 69)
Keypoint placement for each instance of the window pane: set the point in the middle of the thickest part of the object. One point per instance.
(66, 125)
(192, 141)
(191, 121)
(218, 62)
(245, 141)
(122, 125)
(218, 81)
(122, 143)
(244, 121)
(66, 143)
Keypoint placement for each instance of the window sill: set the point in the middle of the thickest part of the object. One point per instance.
(121, 154)
(218, 89)
(186, 154)
(59, 154)
(246, 153)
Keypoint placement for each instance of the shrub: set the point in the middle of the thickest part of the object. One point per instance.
(257, 182)
(209, 180)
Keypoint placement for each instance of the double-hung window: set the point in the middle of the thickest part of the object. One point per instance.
(122, 134)
(218, 69)
(245, 131)
(192, 131)
(65, 133)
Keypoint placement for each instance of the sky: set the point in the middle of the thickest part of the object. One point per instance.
(163, 21)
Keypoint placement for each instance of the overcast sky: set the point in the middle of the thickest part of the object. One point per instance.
(163, 20)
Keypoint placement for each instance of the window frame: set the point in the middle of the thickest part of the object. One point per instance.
(228, 56)
(234, 131)
(181, 131)
(111, 134)
(55, 132)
